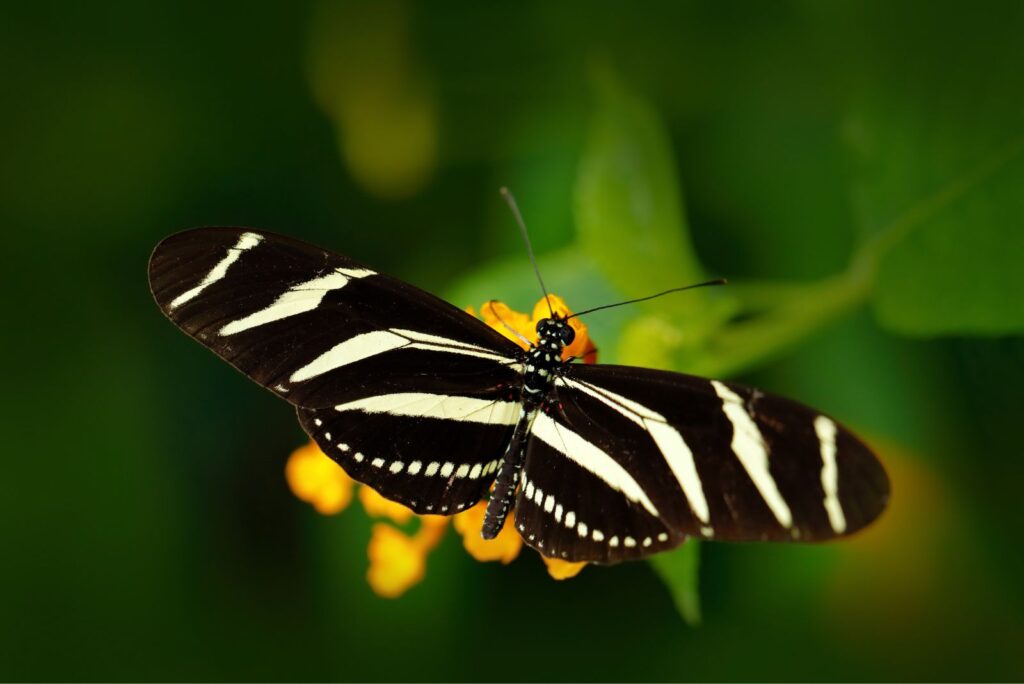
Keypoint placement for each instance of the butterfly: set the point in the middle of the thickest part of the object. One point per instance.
(436, 410)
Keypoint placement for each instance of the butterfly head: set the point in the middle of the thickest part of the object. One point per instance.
(555, 333)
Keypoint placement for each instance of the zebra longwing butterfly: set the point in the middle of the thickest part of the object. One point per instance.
(431, 407)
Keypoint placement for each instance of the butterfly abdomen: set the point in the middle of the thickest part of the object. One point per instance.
(541, 365)
(509, 475)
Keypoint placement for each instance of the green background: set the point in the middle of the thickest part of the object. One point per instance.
(853, 168)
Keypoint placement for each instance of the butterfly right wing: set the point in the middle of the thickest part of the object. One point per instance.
(644, 458)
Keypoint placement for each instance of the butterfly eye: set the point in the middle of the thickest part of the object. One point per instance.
(568, 334)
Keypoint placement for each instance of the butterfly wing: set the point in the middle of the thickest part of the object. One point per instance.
(577, 502)
(646, 458)
(313, 326)
(435, 453)
(411, 395)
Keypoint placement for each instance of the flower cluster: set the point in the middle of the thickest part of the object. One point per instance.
(398, 558)
(522, 328)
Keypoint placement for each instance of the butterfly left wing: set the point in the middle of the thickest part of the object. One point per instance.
(435, 453)
(314, 326)
(643, 459)
(411, 395)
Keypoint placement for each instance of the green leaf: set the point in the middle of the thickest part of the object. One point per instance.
(679, 571)
(630, 219)
(628, 203)
(962, 271)
(569, 273)
(936, 142)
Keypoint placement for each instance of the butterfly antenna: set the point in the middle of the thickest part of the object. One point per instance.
(717, 281)
(511, 201)
(528, 343)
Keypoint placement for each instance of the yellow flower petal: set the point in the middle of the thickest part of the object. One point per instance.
(431, 530)
(397, 562)
(366, 74)
(560, 569)
(505, 547)
(378, 507)
(581, 347)
(508, 322)
(558, 306)
(516, 325)
(318, 480)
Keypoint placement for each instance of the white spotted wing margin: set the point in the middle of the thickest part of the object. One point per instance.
(629, 461)
(313, 326)
(435, 453)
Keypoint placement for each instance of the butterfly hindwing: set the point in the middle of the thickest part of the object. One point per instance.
(719, 460)
(577, 502)
(435, 453)
(311, 325)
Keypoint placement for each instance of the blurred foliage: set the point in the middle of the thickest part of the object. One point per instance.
(386, 116)
(628, 206)
(854, 168)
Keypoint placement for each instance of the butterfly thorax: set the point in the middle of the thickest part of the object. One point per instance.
(541, 365)
(544, 360)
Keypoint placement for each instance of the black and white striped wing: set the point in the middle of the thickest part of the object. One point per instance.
(435, 453)
(643, 459)
(409, 394)
(315, 327)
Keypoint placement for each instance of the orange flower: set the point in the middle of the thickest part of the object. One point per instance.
(398, 560)
(318, 480)
(512, 324)
(395, 561)
(376, 506)
(505, 547)
(562, 569)
(518, 326)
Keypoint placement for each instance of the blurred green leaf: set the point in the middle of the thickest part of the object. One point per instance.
(679, 571)
(629, 210)
(630, 218)
(961, 271)
(569, 273)
(776, 317)
(365, 74)
(938, 172)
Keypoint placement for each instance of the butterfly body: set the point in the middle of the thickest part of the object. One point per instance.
(541, 365)
(436, 410)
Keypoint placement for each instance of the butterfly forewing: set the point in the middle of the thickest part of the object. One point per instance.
(311, 325)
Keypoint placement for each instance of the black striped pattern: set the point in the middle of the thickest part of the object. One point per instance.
(420, 401)
(270, 353)
(429, 463)
(736, 508)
